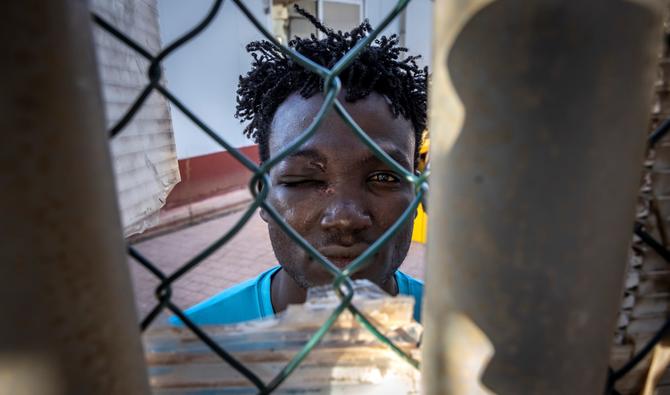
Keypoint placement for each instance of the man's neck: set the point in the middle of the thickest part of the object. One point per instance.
(285, 291)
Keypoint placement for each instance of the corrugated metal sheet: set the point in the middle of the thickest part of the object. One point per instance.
(646, 301)
(144, 153)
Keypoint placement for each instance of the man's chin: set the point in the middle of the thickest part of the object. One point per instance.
(327, 278)
(317, 281)
(311, 274)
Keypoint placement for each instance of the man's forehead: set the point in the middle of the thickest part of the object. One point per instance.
(372, 114)
(359, 153)
(294, 113)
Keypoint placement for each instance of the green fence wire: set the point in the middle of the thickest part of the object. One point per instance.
(259, 185)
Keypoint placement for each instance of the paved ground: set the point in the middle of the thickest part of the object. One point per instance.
(243, 257)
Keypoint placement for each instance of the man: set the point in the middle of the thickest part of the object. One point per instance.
(333, 190)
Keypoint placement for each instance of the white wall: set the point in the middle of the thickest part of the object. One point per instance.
(376, 10)
(204, 73)
(145, 161)
(418, 24)
(419, 29)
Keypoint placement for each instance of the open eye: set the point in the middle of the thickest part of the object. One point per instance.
(384, 178)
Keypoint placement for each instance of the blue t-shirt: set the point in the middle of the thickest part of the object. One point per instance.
(250, 300)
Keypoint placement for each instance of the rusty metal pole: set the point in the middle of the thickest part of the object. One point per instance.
(68, 324)
(538, 119)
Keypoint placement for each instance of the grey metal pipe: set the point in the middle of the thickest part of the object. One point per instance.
(66, 306)
(538, 119)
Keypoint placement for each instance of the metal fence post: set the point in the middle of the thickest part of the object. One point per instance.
(537, 136)
(68, 322)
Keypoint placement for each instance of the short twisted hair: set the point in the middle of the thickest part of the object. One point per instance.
(378, 68)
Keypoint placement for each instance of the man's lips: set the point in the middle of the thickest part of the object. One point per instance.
(341, 256)
(340, 262)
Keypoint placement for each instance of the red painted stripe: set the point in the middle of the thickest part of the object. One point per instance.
(210, 175)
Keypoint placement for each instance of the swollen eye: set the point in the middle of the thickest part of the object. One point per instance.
(300, 182)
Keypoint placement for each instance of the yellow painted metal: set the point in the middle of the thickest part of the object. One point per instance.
(420, 231)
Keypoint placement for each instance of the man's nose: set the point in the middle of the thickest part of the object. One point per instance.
(345, 216)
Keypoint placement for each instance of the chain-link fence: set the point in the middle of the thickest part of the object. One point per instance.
(259, 186)
(260, 183)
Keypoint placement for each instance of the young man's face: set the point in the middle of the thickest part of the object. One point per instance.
(335, 192)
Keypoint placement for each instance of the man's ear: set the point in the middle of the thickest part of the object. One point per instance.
(264, 215)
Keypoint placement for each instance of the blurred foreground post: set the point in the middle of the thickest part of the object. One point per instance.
(538, 120)
(68, 322)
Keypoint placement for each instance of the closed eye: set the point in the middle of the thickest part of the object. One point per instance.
(300, 183)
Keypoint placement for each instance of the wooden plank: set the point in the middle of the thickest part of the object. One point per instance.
(349, 359)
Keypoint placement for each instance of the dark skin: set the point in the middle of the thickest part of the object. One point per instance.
(337, 195)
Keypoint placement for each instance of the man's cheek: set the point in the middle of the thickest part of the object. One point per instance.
(301, 216)
(291, 205)
(393, 210)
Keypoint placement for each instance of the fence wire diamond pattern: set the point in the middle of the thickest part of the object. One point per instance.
(259, 185)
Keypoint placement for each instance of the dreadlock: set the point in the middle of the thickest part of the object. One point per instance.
(378, 68)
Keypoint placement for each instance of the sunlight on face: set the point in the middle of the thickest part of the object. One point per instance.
(336, 193)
